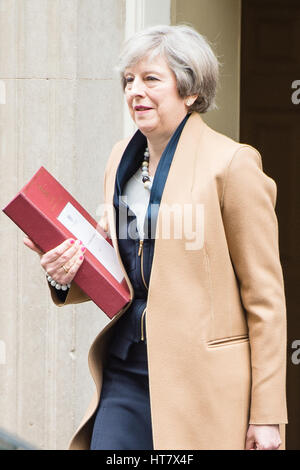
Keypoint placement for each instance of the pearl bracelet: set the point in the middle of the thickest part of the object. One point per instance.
(55, 284)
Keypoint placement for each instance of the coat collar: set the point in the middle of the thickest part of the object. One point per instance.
(131, 161)
(188, 143)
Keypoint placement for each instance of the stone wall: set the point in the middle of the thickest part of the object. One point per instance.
(61, 106)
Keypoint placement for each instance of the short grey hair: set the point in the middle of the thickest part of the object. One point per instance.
(188, 54)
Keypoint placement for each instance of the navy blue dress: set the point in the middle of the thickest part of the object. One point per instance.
(123, 417)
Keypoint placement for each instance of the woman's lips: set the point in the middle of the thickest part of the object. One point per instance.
(141, 109)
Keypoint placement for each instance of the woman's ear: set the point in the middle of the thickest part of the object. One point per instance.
(190, 100)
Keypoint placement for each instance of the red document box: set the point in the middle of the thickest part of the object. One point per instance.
(48, 214)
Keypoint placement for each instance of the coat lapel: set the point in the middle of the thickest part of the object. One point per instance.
(173, 165)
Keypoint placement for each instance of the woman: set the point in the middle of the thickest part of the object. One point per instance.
(209, 295)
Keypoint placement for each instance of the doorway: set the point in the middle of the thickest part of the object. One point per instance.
(270, 121)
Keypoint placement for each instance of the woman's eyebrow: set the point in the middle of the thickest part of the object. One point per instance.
(153, 71)
(145, 72)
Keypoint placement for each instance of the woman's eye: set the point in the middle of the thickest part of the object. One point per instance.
(149, 77)
(128, 79)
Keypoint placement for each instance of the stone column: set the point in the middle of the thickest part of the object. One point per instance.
(61, 106)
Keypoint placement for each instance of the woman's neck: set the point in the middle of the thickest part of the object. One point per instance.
(156, 148)
(157, 144)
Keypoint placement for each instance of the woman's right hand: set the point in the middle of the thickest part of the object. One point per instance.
(68, 254)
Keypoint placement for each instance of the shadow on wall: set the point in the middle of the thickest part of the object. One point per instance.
(10, 442)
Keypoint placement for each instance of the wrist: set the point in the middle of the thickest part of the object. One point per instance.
(57, 285)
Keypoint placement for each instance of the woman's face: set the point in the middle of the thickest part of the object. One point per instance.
(152, 97)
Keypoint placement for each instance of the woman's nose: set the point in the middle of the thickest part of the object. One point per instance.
(137, 88)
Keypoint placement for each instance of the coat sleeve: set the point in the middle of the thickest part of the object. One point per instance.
(250, 222)
(74, 295)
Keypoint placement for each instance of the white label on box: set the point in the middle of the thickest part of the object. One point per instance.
(74, 221)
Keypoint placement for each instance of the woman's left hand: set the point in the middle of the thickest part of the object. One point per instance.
(263, 437)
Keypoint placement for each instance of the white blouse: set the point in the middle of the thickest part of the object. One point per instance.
(136, 196)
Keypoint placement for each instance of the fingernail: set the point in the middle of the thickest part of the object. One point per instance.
(83, 249)
(80, 243)
(72, 241)
(80, 257)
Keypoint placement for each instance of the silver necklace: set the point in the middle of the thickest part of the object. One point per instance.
(145, 170)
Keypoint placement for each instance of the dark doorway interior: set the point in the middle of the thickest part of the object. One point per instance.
(270, 121)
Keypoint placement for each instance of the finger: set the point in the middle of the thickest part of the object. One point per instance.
(52, 255)
(270, 446)
(74, 268)
(59, 268)
(265, 443)
(28, 242)
(67, 258)
(63, 277)
(71, 265)
(250, 444)
(103, 223)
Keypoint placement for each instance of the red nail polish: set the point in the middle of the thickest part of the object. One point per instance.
(83, 249)
(80, 257)
(80, 243)
(72, 241)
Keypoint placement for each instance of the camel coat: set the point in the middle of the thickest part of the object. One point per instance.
(216, 312)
